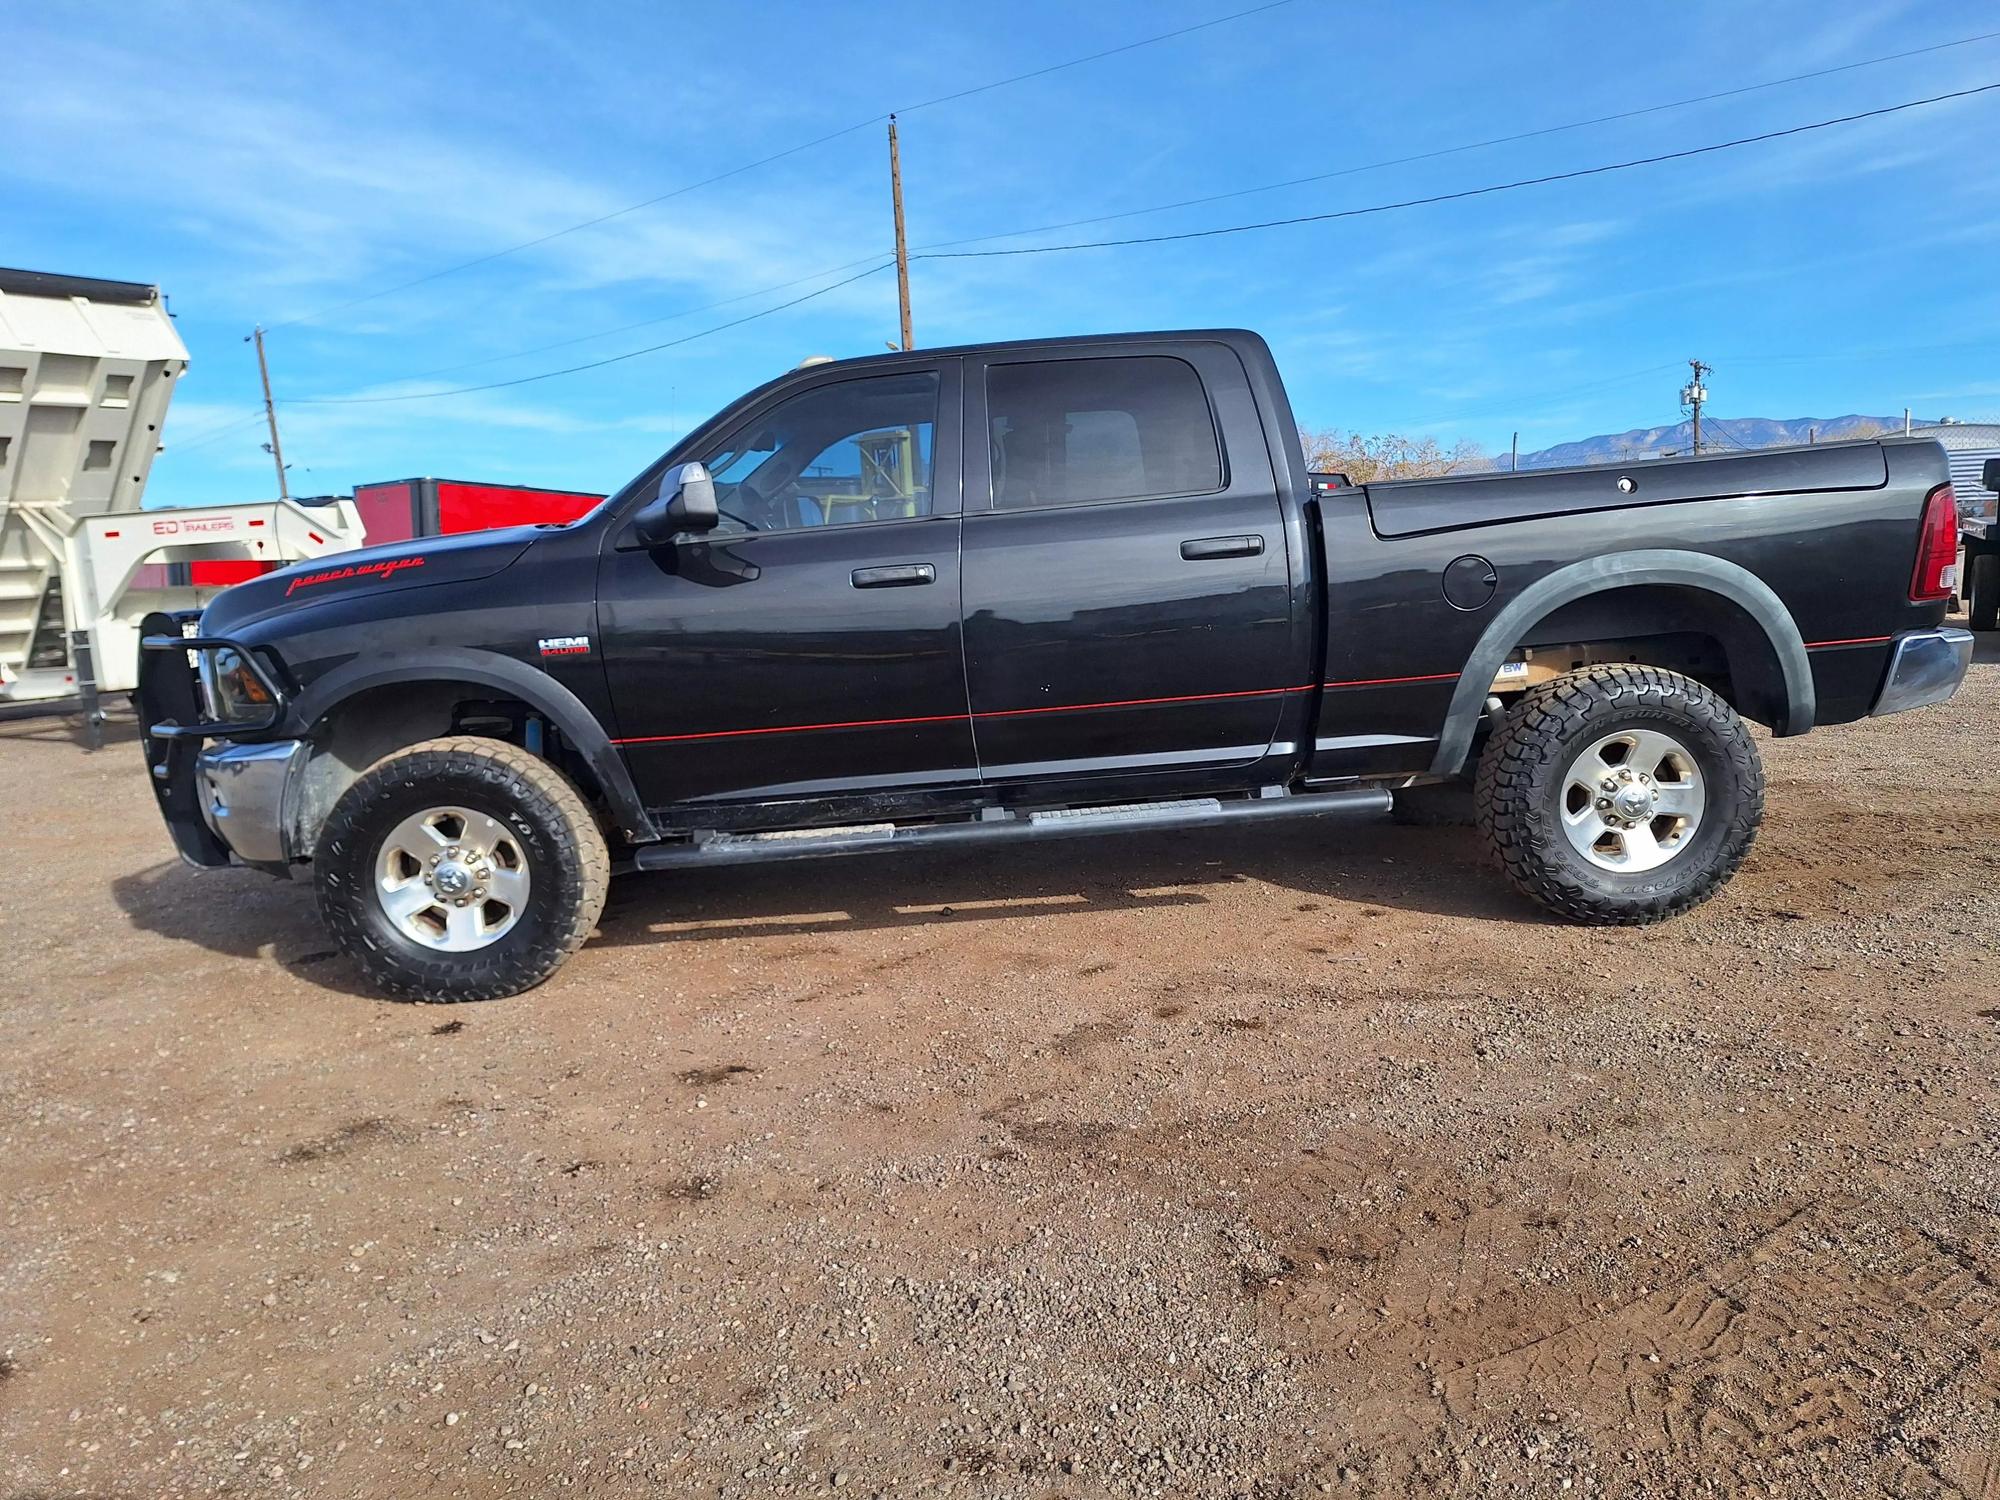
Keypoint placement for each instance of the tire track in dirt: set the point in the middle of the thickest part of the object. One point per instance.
(1733, 1366)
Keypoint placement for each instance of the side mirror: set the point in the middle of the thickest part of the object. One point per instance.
(1989, 474)
(686, 503)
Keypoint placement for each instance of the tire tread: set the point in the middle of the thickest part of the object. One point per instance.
(488, 974)
(1530, 747)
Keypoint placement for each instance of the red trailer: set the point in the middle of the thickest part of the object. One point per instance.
(399, 509)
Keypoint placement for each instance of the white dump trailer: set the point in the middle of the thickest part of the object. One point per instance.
(87, 368)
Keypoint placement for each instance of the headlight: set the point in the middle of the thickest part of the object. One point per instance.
(234, 686)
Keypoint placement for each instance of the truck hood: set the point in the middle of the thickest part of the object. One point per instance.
(369, 570)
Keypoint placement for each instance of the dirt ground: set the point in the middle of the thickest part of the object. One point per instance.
(1263, 1165)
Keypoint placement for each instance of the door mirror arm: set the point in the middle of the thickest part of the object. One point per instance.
(685, 506)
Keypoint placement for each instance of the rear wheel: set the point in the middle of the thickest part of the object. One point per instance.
(1982, 591)
(460, 869)
(1620, 795)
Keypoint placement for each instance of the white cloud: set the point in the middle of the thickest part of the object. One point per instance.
(281, 206)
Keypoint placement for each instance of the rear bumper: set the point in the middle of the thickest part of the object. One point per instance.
(1925, 667)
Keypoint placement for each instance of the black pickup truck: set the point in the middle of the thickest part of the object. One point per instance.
(1035, 590)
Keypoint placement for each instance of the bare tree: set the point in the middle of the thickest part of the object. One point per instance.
(1369, 457)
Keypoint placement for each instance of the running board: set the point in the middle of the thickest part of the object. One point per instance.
(1000, 826)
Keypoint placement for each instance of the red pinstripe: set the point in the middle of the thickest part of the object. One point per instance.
(1391, 681)
(1011, 713)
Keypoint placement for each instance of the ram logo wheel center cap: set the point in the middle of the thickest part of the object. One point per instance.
(1635, 802)
(452, 880)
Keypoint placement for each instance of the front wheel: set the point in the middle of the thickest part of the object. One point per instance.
(1620, 795)
(460, 869)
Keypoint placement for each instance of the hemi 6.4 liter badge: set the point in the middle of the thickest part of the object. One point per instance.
(564, 645)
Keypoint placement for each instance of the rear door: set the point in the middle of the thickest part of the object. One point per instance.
(1127, 590)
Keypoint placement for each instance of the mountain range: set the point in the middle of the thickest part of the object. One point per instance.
(1716, 437)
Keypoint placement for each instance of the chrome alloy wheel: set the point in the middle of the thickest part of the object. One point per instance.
(1633, 800)
(452, 879)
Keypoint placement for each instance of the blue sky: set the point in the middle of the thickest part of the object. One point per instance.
(268, 161)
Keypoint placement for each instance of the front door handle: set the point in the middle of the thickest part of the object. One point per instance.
(896, 576)
(1201, 548)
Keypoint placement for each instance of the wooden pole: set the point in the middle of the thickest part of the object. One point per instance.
(902, 245)
(271, 413)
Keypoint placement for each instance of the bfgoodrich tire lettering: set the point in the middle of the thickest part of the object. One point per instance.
(1524, 771)
(546, 820)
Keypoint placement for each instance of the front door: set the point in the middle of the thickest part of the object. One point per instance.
(810, 643)
(1128, 599)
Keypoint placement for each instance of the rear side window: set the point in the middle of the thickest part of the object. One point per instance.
(1072, 431)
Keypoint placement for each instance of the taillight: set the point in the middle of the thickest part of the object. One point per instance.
(1937, 549)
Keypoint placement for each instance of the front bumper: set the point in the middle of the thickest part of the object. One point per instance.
(243, 791)
(229, 799)
(1925, 667)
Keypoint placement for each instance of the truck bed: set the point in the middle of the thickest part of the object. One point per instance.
(1814, 544)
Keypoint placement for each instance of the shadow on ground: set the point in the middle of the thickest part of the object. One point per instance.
(239, 914)
(243, 914)
(1440, 871)
(120, 731)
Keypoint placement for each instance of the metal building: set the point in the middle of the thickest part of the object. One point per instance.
(1967, 446)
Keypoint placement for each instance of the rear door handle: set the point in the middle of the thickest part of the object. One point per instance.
(896, 576)
(1201, 548)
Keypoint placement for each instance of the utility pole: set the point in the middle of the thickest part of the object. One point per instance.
(270, 412)
(1693, 394)
(1514, 454)
(902, 245)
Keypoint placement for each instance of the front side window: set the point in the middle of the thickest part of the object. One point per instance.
(1071, 431)
(836, 455)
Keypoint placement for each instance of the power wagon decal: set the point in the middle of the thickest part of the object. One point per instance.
(382, 569)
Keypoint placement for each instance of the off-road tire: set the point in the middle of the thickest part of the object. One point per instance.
(1520, 787)
(569, 865)
(1982, 591)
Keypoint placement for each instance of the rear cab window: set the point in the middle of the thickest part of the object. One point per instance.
(1085, 431)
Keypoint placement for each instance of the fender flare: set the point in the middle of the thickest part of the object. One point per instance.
(508, 678)
(1596, 575)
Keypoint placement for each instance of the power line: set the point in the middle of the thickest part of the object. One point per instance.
(1543, 403)
(1498, 140)
(1463, 193)
(1726, 435)
(685, 312)
(1165, 36)
(1184, 202)
(209, 434)
(202, 433)
(495, 385)
(1348, 213)
(1875, 353)
(775, 156)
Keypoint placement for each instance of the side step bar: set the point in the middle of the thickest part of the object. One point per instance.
(1000, 826)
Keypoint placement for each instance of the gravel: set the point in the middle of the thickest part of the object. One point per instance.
(1261, 1165)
